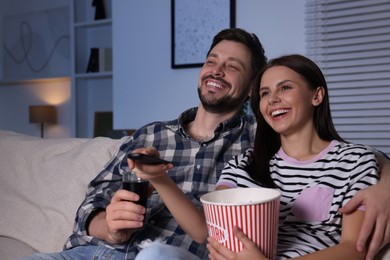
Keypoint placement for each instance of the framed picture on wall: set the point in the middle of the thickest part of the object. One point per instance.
(36, 44)
(194, 24)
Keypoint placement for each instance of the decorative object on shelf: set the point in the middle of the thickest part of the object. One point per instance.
(105, 59)
(100, 12)
(193, 25)
(43, 114)
(100, 60)
(103, 123)
(93, 63)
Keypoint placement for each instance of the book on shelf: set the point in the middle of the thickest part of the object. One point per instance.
(100, 60)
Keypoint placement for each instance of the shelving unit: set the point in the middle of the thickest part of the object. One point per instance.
(89, 33)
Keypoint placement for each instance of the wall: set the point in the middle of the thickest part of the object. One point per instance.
(15, 99)
(17, 95)
(145, 86)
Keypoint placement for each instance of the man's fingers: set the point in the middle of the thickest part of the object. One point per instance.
(121, 195)
(118, 225)
(387, 235)
(365, 231)
(353, 204)
(376, 242)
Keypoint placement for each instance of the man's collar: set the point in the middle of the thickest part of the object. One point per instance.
(190, 114)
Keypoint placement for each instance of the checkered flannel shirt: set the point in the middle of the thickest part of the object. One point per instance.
(197, 168)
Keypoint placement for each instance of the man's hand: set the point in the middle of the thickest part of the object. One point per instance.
(376, 224)
(122, 216)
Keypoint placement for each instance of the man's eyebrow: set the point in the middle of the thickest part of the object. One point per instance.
(238, 61)
(214, 55)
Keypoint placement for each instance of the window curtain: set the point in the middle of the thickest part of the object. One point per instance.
(350, 41)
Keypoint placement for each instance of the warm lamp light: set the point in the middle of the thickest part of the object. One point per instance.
(44, 114)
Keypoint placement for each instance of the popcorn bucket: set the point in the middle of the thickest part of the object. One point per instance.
(254, 210)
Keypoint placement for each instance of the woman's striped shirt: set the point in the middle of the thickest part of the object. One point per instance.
(313, 191)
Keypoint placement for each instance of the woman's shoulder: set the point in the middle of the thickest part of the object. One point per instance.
(352, 152)
(352, 148)
(242, 159)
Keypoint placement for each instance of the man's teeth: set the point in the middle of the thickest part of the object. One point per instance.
(214, 85)
(279, 112)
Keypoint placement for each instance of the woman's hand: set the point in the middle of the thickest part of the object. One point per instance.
(250, 250)
(145, 171)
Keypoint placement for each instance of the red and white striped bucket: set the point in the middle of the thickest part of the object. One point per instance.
(254, 210)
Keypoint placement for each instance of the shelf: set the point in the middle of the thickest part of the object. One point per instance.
(87, 38)
(84, 11)
(94, 23)
(7, 82)
(94, 75)
(92, 91)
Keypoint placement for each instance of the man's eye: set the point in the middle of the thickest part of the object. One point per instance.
(232, 66)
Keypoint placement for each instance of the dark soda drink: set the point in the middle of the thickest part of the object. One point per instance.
(139, 187)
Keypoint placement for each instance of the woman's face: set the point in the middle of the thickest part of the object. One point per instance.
(286, 100)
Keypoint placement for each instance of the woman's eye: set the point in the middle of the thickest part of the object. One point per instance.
(263, 94)
(283, 88)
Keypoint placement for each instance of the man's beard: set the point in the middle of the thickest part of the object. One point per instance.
(225, 104)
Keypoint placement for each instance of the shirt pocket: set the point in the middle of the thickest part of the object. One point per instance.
(183, 177)
(313, 204)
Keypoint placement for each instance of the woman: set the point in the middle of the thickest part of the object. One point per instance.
(304, 157)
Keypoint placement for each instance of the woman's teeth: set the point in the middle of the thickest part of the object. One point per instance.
(279, 112)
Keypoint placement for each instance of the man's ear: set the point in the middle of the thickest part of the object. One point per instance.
(318, 96)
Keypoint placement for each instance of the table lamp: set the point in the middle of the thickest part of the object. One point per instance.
(43, 114)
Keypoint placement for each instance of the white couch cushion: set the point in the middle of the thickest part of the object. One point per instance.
(42, 183)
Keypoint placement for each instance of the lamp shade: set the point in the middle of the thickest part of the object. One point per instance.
(43, 114)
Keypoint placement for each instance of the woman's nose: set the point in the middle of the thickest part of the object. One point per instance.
(273, 99)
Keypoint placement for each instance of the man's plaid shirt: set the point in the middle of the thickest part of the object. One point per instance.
(197, 168)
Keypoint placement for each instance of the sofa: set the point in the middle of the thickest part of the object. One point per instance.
(42, 183)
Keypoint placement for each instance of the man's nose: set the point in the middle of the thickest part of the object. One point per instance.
(218, 71)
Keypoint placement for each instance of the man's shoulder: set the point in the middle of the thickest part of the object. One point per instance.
(159, 126)
(250, 120)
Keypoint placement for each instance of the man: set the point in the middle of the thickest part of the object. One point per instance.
(199, 143)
